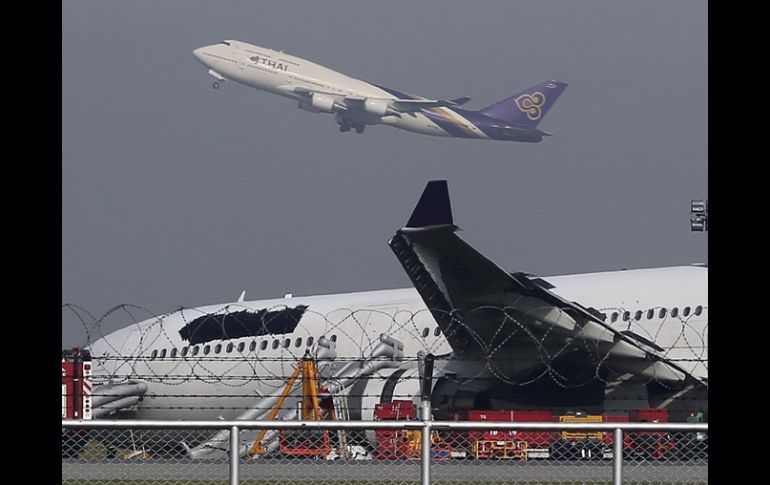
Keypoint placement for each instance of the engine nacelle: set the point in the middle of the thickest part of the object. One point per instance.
(322, 102)
(377, 107)
(318, 103)
(385, 386)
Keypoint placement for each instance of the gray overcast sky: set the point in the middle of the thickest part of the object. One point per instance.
(176, 194)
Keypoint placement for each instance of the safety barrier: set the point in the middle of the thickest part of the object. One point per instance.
(389, 452)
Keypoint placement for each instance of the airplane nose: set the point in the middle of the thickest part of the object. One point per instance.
(198, 53)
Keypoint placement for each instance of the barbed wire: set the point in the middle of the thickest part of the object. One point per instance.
(513, 348)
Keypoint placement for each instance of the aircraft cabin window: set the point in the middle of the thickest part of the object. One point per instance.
(650, 314)
(674, 311)
(334, 338)
(425, 332)
(218, 348)
(286, 343)
(662, 313)
(276, 344)
(206, 349)
(638, 315)
(614, 317)
(154, 354)
(686, 311)
(263, 345)
(241, 346)
(698, 310)
(309, 341)
(163, 353)
(298, 342)
(195, 350)
(437, 331)
(173, 353)
(252, 345)
(229, 348)
(626, 316)
(184, 351)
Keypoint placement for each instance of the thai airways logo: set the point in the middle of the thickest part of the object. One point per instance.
(530, 104)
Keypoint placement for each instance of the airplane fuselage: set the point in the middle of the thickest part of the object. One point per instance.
(203, 375)
(323, 90)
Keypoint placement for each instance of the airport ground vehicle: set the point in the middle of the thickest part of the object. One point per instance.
(527, 445)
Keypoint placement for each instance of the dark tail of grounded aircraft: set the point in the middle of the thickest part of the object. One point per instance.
(527, 108)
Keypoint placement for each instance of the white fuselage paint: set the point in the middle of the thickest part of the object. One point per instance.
(280, 73)
(358, 319)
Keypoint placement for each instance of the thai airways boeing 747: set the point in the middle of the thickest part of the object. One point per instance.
(355, 103)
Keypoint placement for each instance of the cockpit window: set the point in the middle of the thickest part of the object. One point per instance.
(225, 43)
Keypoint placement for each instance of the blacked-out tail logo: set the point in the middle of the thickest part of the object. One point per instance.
(530, 104)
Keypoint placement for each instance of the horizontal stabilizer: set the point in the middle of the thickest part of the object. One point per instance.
(461, 101)
(433, 209)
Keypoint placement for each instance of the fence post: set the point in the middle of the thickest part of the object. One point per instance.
(426, 389)
(617, 458)
(234, 454)
(425, 448)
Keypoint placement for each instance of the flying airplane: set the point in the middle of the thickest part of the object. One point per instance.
(505, 339)
(357, 103)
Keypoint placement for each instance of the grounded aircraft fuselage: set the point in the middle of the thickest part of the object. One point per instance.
(195, 369)
(357, 103)
(503, 339)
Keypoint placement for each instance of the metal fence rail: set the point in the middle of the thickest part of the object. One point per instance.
(383, 452)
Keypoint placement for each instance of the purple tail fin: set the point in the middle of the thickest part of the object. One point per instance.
(528, 107)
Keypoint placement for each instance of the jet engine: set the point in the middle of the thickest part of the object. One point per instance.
(386, 385)
(378, 107)
(319, 103)
(322, 102)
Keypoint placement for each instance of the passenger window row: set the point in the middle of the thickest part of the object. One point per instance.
(206, 350)
(650, 314)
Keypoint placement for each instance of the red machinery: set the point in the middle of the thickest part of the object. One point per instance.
(655, 445)
(75, 384)
(393, 444)
(516, 444)
(75, 398)
(508, 444)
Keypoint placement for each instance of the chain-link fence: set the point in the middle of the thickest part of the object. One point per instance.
(382, 452)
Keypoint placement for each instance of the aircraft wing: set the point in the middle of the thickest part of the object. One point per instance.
(382, 106)
(487, 312)
(401, 105)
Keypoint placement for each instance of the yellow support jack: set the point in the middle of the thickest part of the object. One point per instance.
(311, 410)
